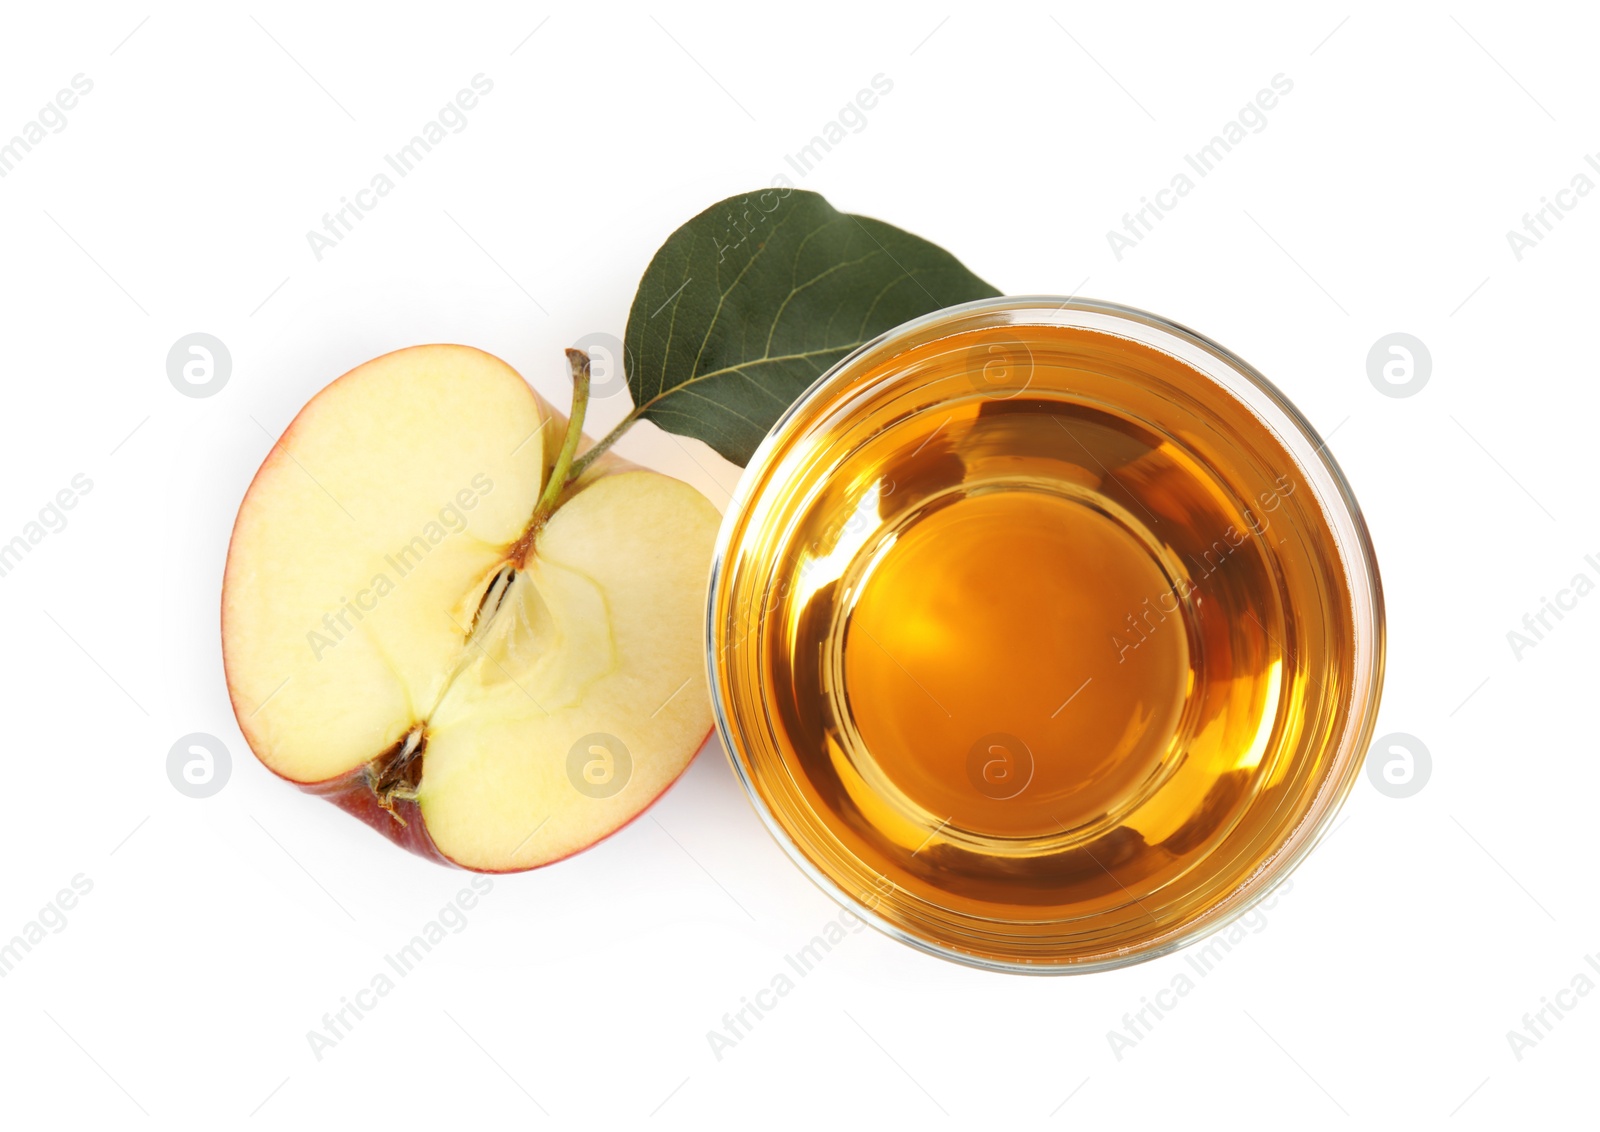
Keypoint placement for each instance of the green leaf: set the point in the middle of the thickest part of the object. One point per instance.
(746, 305)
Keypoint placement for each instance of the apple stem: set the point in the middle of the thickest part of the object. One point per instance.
(581, 464)
(579, 361)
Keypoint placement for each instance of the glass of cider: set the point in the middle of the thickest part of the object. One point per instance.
(1045, 634)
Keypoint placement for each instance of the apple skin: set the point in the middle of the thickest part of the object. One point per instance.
(405, 827)
(351, 793)
(403, 823)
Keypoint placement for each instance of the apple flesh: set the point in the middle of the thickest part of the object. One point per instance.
(400, 638)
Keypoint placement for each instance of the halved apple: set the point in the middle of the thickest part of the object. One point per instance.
(411, 629)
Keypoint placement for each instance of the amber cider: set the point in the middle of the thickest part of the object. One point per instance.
(1037, 644)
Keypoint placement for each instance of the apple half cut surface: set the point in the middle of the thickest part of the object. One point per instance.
(403, 634)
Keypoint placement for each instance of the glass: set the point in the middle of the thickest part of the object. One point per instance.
(1045, 634)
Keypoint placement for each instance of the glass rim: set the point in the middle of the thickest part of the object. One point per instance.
(1337, 502)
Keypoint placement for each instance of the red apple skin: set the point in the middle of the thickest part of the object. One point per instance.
(351, 794)
(405, 827)
(351, 791)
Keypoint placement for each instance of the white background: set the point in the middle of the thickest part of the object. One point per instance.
(219, 931)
